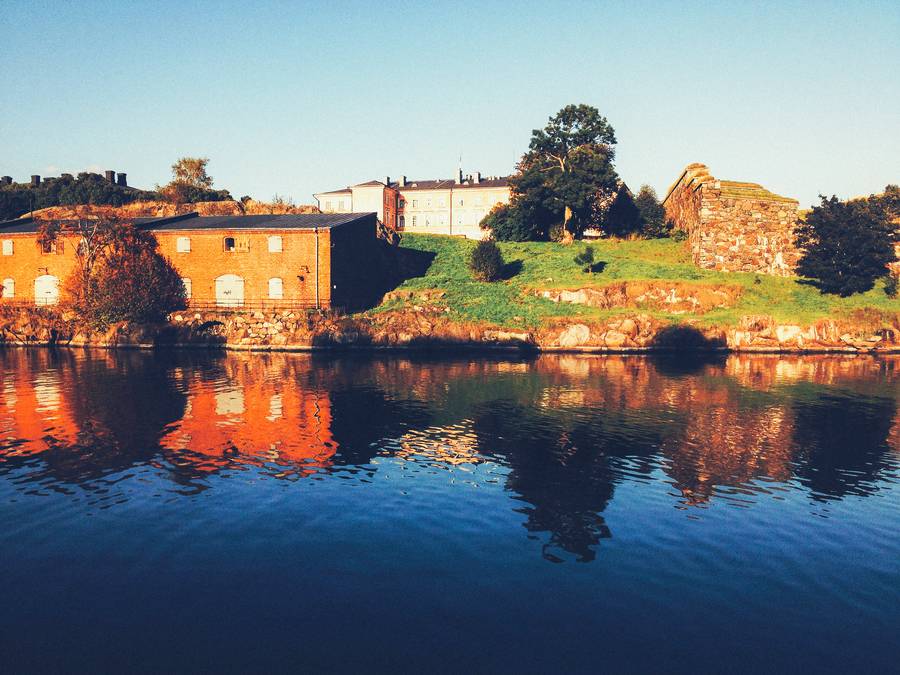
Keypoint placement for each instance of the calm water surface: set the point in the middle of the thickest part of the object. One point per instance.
(195, 511)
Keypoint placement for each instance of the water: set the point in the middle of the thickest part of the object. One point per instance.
(204, 512)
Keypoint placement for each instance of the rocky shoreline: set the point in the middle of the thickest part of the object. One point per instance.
(432, 328)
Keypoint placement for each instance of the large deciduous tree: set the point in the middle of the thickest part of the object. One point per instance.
(192, 183)
(120, 275)
(568, 165)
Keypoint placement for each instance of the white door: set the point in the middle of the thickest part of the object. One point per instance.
(229, 290)
(46, 290)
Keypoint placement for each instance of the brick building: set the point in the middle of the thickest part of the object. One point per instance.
(303, 260)
(452, 206)
(733, 226)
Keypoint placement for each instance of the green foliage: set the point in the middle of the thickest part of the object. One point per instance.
(546, 265)
(653, 222)
(846, 245)
(508, 222)
(486, 261)
(191, 183)
(569, 164)
(622, 218)
(890, 285)
(585, 259)
(87, 188)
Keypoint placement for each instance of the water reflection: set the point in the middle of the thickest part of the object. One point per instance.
(562, 432)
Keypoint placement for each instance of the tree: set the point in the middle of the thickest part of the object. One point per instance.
(486, 261)
(585, 259)
(120, 275)
(192, 171)
(652, 213)
(510, 222)
(571, 160)
(191, 183)
(846, 245)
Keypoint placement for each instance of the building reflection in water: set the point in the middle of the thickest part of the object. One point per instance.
(563, 431)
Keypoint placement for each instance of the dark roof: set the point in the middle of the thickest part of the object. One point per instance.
(299, 221)
(335, 192)
(191, 221)
(446, 183)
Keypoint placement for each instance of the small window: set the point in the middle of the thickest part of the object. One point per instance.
(7, 247)
(442, 202)
(328, 206)
(460, 202)
(229, 244)
(275, 244)
(276, 289)
(48, 247)
(9, 288)
(402, 203)
(428, 203)
(402, 221)
(183, 245)
(415, 203)
(187, 287)
(413, 221)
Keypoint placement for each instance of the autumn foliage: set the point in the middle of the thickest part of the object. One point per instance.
(120, 274)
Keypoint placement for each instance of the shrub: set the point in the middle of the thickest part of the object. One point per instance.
(846, 245)
(890, 285)
(586, 259)
(486, 261)
(513, 222)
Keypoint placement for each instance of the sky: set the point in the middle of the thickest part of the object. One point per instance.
(291, 98)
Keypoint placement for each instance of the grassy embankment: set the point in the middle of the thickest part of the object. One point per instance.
(512, 303)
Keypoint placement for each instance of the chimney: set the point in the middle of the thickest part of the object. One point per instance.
(402, 181)
(477, 178)
(387, 181)
(120, 180)
(459, 177)
(111, 176)
(35, 181)
(6, 180)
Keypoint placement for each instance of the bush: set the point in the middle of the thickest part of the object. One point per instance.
(890, 285)
(846, 245)
(512, 222)
(586, 259)
(653, 215)
(486, 261)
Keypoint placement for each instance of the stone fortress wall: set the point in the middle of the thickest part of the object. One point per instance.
(733, 226)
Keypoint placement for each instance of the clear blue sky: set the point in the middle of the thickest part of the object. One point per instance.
(292, 98)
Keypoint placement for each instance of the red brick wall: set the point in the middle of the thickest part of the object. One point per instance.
(295, 265)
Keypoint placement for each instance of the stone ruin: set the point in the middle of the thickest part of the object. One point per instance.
(732, 226)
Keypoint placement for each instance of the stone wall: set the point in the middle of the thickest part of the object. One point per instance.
(733, 226)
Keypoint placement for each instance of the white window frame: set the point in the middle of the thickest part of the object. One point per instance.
(183, 245)
(276, 243)
(188, 287)
(8, 247)
(278, 287)
(233, 244)
(8, 289)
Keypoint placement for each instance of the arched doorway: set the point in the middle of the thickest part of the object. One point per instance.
(46, 290)
(229, 290)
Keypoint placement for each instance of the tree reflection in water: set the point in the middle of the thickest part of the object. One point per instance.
(566, 431)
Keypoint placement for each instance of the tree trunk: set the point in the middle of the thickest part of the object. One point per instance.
(568, 236)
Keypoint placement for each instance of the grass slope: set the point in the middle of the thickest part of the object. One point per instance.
(539, 265)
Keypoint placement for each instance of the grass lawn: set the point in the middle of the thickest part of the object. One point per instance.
(538, 265)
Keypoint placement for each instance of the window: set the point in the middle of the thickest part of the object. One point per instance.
(341, 205)
(7, 247)
(275, 244)
(413, 221)
(402, 203)
(276, 289)
(442, 202)
(460, 201)
(415, 203)
(229, 244)
(187, 287)
(328, 206)
(48, 247)
(402, 222)
(9, 288)
(183, 245)
(427, 203)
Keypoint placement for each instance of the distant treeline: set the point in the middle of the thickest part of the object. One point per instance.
(18, 199)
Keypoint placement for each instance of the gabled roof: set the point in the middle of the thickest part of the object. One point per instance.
(448, 183)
